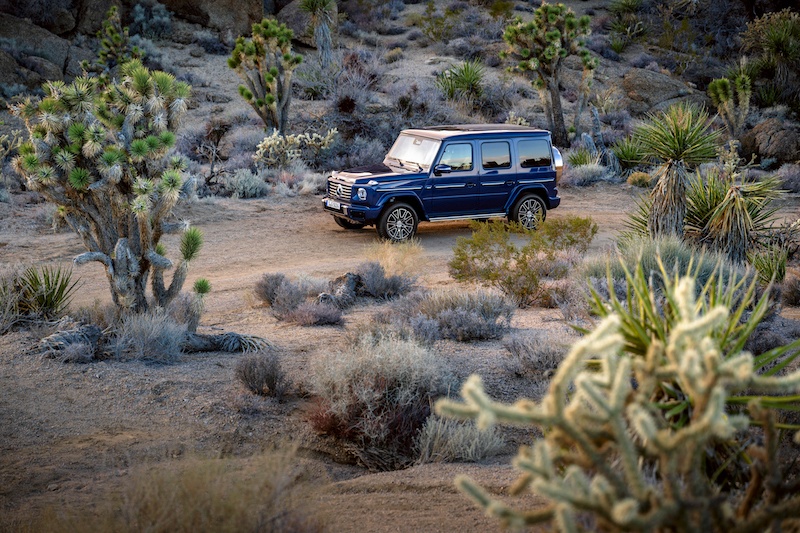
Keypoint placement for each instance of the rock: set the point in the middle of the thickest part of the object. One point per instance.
(42, 67)
(92, 13)
(14, 75)
(235, 15)
(35, 41)
(343, 291)
(647, 89)
(76, 55)
(63, 21)
(299, 22)
(773, 139)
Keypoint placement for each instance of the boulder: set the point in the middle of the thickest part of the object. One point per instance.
(14, 75)
(76, 55)
(62, 22)
(234, 15)
(299, 22)
(42, 67)
(773, 138)
(92, 13)
(646, 90)
(35, 41)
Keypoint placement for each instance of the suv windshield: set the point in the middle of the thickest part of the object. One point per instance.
(412, 153)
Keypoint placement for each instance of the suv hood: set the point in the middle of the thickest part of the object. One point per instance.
(368, 172)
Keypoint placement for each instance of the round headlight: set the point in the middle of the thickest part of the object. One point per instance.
(362, 193)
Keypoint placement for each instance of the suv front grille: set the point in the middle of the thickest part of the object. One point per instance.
(339, 190)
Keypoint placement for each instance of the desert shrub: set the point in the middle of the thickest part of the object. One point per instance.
(627, 442)
(628, 152)
(491, 255)
(9, 302)
(393, 55)
(536, 355)
(78, 352)
(452, 441)
(44, 293)
(344, 155)
(315, 314)
(151, 336)
(789, 175)
(770, 264)
(376, 396)
(584, 175)
(288, 297)
(271, 492)
(261, 374)
(267, 287)
(278, 151)
(376, 283)
(581, 156)
(245, 183)
(151, 19)
(210, 42)
(462, 82)
(459, 315)
(640, 179)
(790, 293)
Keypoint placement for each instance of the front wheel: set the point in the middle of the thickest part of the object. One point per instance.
(398, 223)
(529, 211)
(346, 224)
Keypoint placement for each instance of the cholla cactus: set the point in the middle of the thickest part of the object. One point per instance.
(99, 152)
(538, 47)
(266, 64)
(609, 454)
(278, 151)
(732, 98)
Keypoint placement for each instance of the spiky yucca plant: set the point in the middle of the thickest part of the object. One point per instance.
(610, 458)
(266, 64)
(732, 98)
(678, 138)
(99, 152)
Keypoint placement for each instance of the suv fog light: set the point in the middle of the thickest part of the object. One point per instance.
(362, 194)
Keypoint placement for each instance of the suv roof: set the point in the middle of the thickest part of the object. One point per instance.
(470, 130)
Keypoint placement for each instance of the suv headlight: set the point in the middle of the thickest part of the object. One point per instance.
(362, 193)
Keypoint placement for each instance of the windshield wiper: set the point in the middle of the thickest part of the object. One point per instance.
(404, 163)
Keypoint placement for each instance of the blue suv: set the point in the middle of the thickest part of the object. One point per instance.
(472, 171)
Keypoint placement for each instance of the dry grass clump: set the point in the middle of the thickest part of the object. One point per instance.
(315, 314)
(261, 374)
(269, 493)
(376, 397)
(152, 336)
(446, 440)
(535, 355)
(375, 282)
(397, 257)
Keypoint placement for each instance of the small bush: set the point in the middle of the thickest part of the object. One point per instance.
(150, 19)
(536, 355)
(315, 314)
(770, 264)
(267, 287)
(79, 352)
(376, 395)
(640, 179)
(44, 292)
(585, 175)
(628, 152)
(9, 302)
(789, 175)
(261, 374)
(377, 284)
(246, 184)
(791, 289)
(393, 55)
(152, 336)
(448, 441)
(581, 156)
(288, 297)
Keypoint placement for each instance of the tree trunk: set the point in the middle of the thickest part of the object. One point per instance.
(669, 201)
(559, 128)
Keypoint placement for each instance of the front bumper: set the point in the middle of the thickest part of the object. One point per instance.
(356, 213)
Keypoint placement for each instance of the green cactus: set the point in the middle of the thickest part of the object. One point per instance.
(732, 98)
(539, 46)
(611, 460)
(99, 151)
(266, 63)
(115, 48)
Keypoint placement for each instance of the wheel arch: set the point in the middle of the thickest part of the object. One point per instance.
(540, 191)
(411, 200)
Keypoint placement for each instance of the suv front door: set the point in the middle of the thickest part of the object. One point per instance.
(452, 190)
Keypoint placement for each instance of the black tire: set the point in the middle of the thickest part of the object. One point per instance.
(529, 211)
(398, 222)
(346, 224)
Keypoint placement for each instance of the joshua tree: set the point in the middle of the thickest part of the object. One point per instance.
(732, 98)
(539, 46)
(322, 18)
(98, 151)
(266, 63)
(115, 48)
(677, 137)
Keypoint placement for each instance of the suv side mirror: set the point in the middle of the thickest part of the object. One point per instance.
(440, 169)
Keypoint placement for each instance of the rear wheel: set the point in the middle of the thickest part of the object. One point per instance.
(529, 211)
(346, 224)
(398, 222)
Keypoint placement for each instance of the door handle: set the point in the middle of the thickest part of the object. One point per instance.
(471, 184)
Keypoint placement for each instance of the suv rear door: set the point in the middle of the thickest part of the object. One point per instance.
(497, 176)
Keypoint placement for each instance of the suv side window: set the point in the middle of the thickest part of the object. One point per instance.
(458, 156)
(496, 155)
(534, 153)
